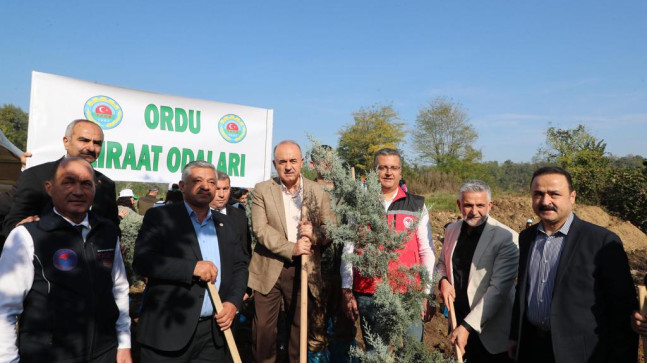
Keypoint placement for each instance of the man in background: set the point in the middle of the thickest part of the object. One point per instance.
(83, 138)
(146, 202)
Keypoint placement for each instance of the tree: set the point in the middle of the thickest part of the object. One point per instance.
(363, 224)
(444, 136)
(374, 128)
(13, 123)
(583, 156)
(625, 194)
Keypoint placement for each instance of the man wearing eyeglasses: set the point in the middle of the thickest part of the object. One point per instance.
(403, 210)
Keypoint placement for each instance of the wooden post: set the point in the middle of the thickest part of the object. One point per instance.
(452, 314)
(303, 329)
(642, 293)
(217, 304)
(303, 332)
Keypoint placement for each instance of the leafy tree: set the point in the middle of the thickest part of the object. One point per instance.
(625, 195)
(583, 155)
(635, 161)
(444, 135)
(374, 128)
(13, 123)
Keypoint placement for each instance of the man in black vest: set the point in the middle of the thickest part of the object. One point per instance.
(82, 138)
(62, 278)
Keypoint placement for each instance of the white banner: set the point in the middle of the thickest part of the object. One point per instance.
(149, 137)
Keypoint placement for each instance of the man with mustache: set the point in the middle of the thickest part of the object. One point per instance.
(477, 268)
(181, 247)
(83, 138)
(575, 295)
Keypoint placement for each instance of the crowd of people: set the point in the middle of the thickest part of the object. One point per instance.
(560, 291)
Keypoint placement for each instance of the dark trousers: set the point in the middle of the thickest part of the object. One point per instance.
(536, 345)
(475, 352)
(264, 328)
(201, 348)
(343, 327)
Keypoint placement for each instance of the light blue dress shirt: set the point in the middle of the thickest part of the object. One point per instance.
(208, 241)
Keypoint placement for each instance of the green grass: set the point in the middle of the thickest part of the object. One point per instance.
(441, 201)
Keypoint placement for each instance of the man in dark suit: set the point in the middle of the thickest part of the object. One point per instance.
(180, 248)
(575, 294)
(82, 138)
(220, 204)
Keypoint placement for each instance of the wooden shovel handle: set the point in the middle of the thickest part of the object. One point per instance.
(452, 314)
(229, 337)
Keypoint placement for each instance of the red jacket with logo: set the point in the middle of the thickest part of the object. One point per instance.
(401, 215)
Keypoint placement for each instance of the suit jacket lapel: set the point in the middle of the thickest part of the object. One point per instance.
(185, 219)
(523, 279)
(278, 203)
(452, 240)
(568, 250)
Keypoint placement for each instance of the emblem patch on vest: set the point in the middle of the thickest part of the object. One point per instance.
(408, 222)
(107, 257)
(65, 260)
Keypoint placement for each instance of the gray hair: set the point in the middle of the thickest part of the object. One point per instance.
(386, 151)
(196, 164)
(288, 142)
(475, 185)
(70, 127)
(221, 175)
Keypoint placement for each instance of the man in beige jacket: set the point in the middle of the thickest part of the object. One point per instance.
(283, 235)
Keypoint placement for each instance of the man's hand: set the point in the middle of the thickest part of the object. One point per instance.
(447, 290)
(349, 304)
(29, 220)
(305, 229)
(459, 337)
(639, 323)
(206, 271)
(428, 310)
(226, 316)
(302, 247)
(123, 356)
(512, 349)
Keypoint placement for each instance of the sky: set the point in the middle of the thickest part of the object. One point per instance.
(515, 67)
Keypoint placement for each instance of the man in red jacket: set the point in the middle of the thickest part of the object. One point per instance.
(402, 210)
